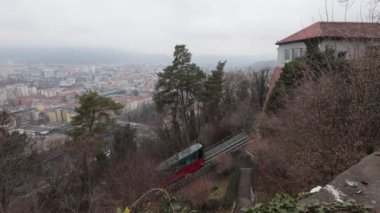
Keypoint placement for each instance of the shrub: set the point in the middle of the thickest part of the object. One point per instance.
(330, 123)
(224, 164)
(270, 171)
(130, 177)
(197, 192)
(232, 189)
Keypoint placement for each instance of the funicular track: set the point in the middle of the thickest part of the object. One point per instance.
(226, 145)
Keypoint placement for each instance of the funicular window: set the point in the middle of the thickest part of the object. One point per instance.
(171, 169)
(181, 164)
(199, 153)
(186, 160)
(190, 159)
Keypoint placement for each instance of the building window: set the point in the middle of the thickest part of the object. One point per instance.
(329, 48)
(297, 53)
(342, 54)
(294, 53)
(288, 54)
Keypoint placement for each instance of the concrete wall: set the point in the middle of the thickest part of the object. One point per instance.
(354, 49)
(366, 174)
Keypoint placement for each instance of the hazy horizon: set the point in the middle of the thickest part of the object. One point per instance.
(209, 27)
(113, 56)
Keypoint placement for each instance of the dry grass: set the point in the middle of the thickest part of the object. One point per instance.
(219, 190)
(197, 192)
(271, 170)
(131, 177)
(224, 163)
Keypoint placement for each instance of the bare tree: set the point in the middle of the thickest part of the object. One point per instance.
(258, 85)
(347, 4)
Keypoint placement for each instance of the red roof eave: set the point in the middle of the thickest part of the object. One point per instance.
(338, 30)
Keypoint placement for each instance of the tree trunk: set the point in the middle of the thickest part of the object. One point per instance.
(184, 117)
(85, 177)
(176, 128)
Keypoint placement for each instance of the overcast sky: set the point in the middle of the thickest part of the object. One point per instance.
(234, 27)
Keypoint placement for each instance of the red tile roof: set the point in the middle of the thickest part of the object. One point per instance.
(350, 30)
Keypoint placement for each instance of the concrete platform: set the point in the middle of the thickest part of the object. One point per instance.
(366, 174)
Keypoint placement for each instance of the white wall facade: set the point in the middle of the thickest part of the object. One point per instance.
(352, 49)
(281, 60)
(346, 49)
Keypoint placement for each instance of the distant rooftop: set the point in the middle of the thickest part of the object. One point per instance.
(339, 30)
(23, 111)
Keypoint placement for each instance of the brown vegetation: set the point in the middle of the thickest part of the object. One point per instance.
(131, 177)
(197, 192)
(328, 125)
(224, 163)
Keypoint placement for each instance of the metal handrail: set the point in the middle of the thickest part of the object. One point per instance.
(238, 143)
(224, 140)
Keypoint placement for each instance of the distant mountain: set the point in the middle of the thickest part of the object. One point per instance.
(111, 56)
(233, 61)
(77, 56)
(264, 64)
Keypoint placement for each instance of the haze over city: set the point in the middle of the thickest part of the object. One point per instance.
(153, 27)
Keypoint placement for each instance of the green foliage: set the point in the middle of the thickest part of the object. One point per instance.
(179, 88)
(232, 189)
(170, 203)
(143, 114)
(311, 66)
(242, 90)
(177, 79)
(258, 82)
(4, 118)
(213, 96)
(289, 80)
(124, 141)
(94, 113)
(126, 210)
(286, 203)
(319, 62)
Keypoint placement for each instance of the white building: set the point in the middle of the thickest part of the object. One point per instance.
(67, 82)
(51, 92)
(20, 90)
(348, 40)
